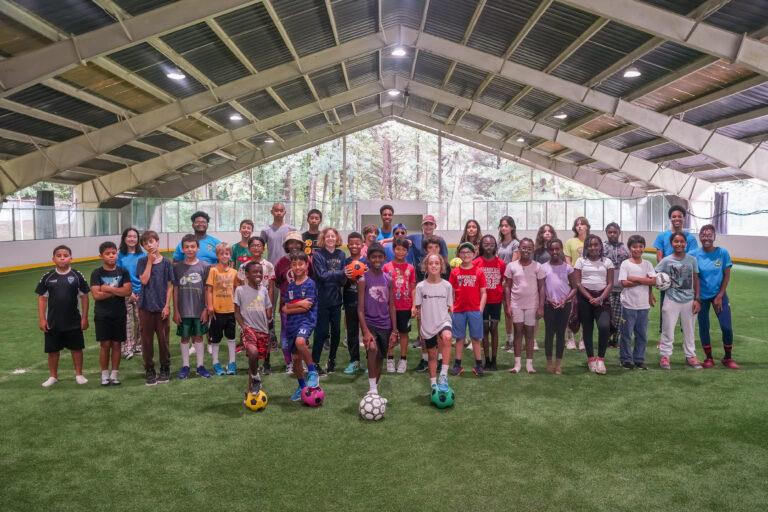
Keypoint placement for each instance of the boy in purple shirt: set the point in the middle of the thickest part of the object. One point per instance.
(376, 312)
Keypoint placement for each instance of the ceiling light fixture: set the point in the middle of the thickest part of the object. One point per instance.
(269, 140)
(393, 92)
(560, 115)
(520, 139)
(632, 72)
(176, 75)
(399, 52)
(235, 117)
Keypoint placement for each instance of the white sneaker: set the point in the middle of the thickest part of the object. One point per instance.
(105, 378)
(592, 365)
(535, 345)
(581, 346)
(390, 366)
(80, 379)
(50, 382)
(570, 345)
(289, 369)
(600, 368)
(192, 349)
(210, 349)
(344, 342)
(402, 365)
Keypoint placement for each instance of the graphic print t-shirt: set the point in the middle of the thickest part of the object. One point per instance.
(404, 277)
(467, 284)
(240, 255)
(681, 273)
(114, 306)
(191, 282)
(253, 303)
(63, 292)
(434, 299)
(223, 285)
(494, 274)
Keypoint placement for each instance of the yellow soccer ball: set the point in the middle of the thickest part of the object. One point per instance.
(256, 402)
(455, 262)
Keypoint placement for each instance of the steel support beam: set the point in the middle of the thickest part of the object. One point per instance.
(35, 66)
(737, 48)
(110, 185)
(752, 160)
(258, 157)
(580, 174)
(28, 169)
(656, 175)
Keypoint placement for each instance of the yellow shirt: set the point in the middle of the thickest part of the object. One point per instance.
(574, 249)
(223, 285)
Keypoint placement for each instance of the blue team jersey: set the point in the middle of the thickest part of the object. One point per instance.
(663, 243)
(711, 267)
(302, 321)
(207, 251)
(129, 262)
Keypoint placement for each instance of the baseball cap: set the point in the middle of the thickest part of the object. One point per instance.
(400, 226)
(468, 245)
(428, 218)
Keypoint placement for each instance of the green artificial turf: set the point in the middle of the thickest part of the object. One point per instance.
(629, 440)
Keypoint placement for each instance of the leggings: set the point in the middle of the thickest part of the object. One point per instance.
(724, 318)
(555, 321)
(589, 315)
(352, 322)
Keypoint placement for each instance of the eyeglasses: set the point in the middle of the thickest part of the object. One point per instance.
(200, 222)
(526, 249)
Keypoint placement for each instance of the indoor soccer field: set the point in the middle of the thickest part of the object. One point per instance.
(629, 440)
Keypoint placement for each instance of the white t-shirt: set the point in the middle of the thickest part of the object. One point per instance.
(436, 300)
(594, 273)
(635, 297)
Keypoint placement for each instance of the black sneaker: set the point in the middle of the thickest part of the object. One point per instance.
(151, 376)
(330, 367)
(627, 365)
(493, 367)
(641, 366)
(320, 371)
(423, 366)
(267, 370)
(165, 374)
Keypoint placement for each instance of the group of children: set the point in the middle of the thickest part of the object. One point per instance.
(315, 283)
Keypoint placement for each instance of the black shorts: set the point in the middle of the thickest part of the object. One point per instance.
(222, 325)
(56, 341)
(492, 312)
(432, 342)
(110, 329)
(403, 320)
(382, 339)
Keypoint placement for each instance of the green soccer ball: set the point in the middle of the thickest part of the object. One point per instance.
(443, 399)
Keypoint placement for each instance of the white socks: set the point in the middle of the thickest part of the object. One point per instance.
(517, 363)
(433, 381)
(373, 388)
(425, 356)
(529, 365)
(231, 345)
(199, 353)
(214, 352)
(444, 370)
(113, 375)
(185, 354)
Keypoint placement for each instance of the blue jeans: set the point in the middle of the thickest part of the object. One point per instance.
(633, 321)
(724, 317)
(327, 316)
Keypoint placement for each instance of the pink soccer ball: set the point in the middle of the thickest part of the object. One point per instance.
(313, 397)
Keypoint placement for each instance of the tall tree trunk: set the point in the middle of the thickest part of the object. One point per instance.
(325, 188)
(386, 166)
(343, 181)
(287, 184)
(312, 192)
(440, 204)
(418, 168)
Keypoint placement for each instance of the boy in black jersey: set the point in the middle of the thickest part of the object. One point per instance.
(60, 319)
(110, 285)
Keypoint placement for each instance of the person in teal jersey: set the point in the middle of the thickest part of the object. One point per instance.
(207, 243)
(387, 213)
(714, 275)
(128, 256)
(241, 252)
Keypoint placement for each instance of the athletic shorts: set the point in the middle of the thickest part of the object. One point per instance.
(524, 316)
(56, 341)
(191, 327)
(403, 320)
(382, 339)
(222, 325)
(492, 312)
(253, 338)
(432, 342)
(110, 329)
(302, 332)
(471, 319)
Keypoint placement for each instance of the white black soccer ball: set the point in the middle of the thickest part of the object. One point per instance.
(372, 407)
(663, 281)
